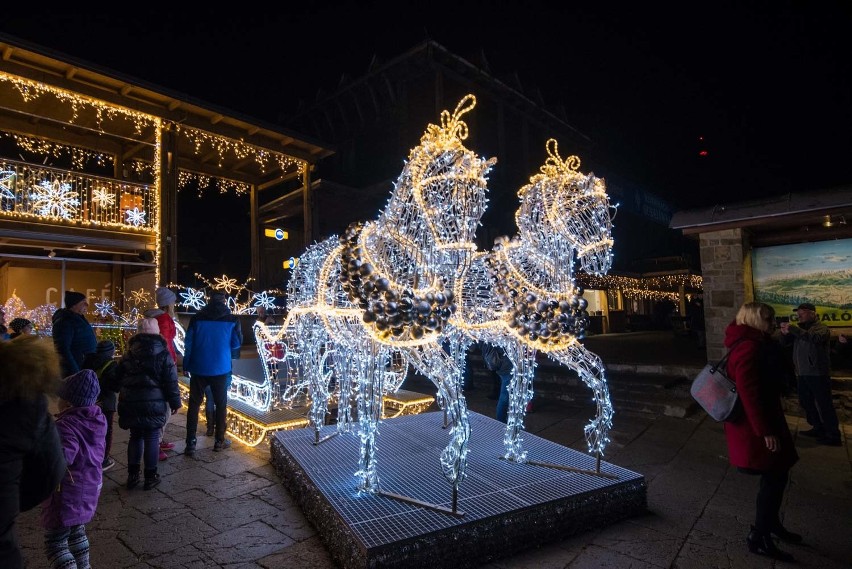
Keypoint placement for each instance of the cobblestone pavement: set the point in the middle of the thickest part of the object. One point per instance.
(228, 509)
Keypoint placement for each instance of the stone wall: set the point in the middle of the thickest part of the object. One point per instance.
(727, 283)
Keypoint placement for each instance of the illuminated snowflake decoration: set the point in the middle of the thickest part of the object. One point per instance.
(264, 300)
(129, 318)
(7, 180)
(103, 197)
(55, 199)
(229, 285)
(193, 298)
(140, 297)
(135, 217)
(105, 309)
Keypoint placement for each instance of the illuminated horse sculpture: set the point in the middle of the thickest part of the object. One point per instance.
(384, 291)
(522, 294)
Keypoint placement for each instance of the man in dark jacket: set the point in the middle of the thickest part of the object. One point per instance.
(497, 361)
(73, 336)
(212, 339)
(810, 339)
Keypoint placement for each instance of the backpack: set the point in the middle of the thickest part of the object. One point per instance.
(106, 378)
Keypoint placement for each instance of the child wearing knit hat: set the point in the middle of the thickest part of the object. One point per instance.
(149, 395)
(104, 364)
(82, 428)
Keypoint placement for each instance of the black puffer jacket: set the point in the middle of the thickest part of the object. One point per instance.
(149, 386)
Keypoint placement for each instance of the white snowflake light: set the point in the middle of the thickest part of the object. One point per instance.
(105, 309)
(135, 217)
(193, 298)
(54, 199)
(264, 300)
(7, 181)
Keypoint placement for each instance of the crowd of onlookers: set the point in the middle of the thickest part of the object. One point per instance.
(57, 460)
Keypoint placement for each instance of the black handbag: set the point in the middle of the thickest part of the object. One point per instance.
(715, 392)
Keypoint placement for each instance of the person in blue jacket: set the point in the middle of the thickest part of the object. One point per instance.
(212, 339)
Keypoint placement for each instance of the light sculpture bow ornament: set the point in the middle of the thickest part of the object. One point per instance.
(522, 294)
(364, 306)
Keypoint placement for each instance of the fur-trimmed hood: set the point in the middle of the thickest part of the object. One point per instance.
(29, 367)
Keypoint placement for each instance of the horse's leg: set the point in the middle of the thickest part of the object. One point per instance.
(370, 392)
(520, 393)
(313, 341)
(590, 369)
(346, 371)
(441, 368)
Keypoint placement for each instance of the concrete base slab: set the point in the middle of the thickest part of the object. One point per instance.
(507, 507)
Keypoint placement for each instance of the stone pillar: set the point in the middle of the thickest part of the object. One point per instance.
(723, 259)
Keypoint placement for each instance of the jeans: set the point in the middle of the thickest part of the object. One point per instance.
(219, 390)
(143, 444)
(503, 398)
(815, 399)
(210, 405)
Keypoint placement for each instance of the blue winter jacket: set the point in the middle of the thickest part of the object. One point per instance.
(73, 337)
(83, 432)
(212, 339)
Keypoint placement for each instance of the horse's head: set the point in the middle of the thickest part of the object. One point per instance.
(566, 212)
(443, 186)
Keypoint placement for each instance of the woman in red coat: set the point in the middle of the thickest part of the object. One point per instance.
(759, 441)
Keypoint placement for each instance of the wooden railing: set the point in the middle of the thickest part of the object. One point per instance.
(30, 192)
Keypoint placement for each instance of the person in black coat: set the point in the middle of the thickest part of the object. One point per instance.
(73, 336)
(31, 459)
(149, 391)
(497, 361)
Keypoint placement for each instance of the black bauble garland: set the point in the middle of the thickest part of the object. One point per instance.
(387, 309)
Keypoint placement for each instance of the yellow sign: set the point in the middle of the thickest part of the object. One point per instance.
(277, 233)
(291, 263)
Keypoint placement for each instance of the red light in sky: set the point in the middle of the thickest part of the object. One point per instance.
(702, 153)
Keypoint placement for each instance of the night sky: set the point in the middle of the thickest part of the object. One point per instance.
(768, 85)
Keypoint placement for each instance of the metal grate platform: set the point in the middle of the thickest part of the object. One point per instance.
(508, 507)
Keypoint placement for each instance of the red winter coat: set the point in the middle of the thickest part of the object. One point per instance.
(754, 365)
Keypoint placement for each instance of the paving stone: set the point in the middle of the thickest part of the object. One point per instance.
(308, 554)
(156, 538)
(236, 485)
(245, 543)
(234, 512)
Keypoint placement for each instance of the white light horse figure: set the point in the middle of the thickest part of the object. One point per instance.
(522, 294)
(385, 290)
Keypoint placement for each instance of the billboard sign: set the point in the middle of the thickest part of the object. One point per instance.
(820, 273)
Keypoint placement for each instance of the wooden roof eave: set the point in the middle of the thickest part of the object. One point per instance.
(136, 95)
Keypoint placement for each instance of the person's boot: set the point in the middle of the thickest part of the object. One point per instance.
(151, 479)
(132, 477)
(190, 448)
(785, 535)
(762, 544)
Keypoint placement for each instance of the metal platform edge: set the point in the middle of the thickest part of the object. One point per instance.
(461, 546)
